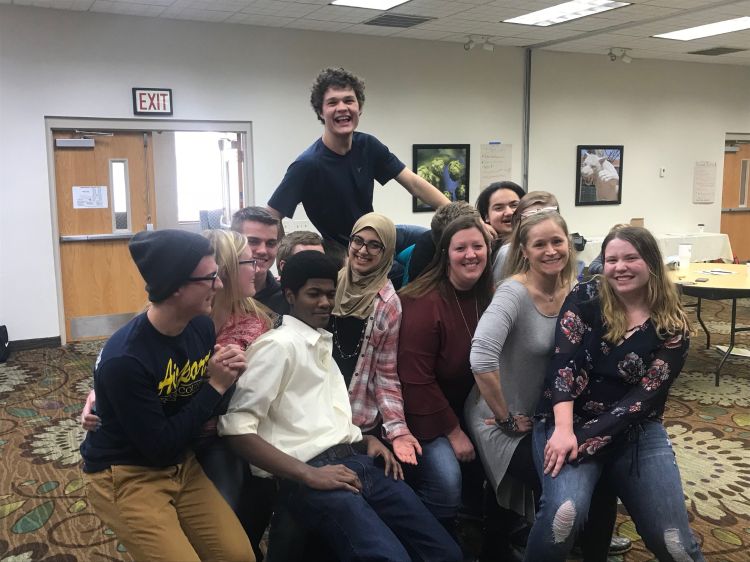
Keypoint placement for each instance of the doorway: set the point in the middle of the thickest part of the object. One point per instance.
(735, 213)
(112, 179)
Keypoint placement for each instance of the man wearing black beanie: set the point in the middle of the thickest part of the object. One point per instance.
(157, 380)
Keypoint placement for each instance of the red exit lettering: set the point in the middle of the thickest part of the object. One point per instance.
(152, 101)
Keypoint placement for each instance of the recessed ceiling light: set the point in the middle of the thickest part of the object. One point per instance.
(737, 24)
(371, 4)
(566, 12)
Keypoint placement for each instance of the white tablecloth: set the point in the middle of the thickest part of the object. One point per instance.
(706, 246)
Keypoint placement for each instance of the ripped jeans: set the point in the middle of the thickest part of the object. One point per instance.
(640, 469)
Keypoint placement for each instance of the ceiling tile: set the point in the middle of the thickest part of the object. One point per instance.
(259, 19)
(126, 8)
(630, 27)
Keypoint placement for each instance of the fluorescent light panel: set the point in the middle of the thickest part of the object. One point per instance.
(566, 12)
(690, 33)
(371, 4)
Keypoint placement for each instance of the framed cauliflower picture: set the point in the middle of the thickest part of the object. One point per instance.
(446, 166)
(599, 175)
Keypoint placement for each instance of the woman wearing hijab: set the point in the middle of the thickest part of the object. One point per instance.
(365, 324)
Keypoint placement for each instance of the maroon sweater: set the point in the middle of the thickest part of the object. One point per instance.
(433, 360)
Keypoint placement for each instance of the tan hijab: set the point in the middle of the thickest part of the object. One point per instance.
(355, 294)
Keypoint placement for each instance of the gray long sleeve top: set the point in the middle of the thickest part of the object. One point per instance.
(516, 339)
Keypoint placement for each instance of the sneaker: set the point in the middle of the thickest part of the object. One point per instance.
(618, 545)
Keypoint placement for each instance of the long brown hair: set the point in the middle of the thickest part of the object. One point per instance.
(667, 313)
(436, 273)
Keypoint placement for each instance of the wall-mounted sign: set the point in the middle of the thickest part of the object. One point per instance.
(152, 101)
(90, 197)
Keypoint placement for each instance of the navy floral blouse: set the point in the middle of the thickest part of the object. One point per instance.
(613, 386)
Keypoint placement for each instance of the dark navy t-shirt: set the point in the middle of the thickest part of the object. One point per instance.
(151, 395)
(336, 190)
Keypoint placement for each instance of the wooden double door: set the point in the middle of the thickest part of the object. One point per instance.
(104, 195)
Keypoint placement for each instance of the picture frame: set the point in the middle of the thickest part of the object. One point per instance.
(599, 174)
(446, 166)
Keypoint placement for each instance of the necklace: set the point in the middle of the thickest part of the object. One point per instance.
(337, 343)
(547, 296)
(634, 328)
(476, 310)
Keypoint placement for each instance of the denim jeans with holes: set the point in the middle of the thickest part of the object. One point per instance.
(640, 468)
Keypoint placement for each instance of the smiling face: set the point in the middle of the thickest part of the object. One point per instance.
(340, 111)
(363, 260)
(624, 268)
(467, 258)
(313, 303)
(246, 273)
(502, 205)
(263, 241)
(547, 248)
(196, 296)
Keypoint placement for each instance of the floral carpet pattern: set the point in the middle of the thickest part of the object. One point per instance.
(45, 516)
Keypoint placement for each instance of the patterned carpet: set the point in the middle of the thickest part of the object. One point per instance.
(44, 514)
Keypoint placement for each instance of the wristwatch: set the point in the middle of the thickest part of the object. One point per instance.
(507, 424)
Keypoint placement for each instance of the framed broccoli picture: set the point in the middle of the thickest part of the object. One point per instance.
(446, 166)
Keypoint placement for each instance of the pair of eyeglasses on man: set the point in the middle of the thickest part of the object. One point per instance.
(373, 246)
(210, 277)
(251, 263)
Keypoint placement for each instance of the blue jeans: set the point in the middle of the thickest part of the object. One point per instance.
(640, 468)
(386, 521)
(437, 479)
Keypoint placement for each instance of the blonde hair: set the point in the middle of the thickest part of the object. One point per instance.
(228, 246)
(517, 263)
(667, 314)
(436, 273)
(531, 199)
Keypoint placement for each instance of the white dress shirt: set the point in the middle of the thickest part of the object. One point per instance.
(292, 394)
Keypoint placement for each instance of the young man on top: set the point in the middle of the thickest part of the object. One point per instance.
(333, 178)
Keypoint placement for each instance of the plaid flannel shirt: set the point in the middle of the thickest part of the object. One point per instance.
(375, 389)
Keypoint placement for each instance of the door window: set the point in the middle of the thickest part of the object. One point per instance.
(208, 178)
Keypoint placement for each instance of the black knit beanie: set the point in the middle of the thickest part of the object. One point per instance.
(166, 258)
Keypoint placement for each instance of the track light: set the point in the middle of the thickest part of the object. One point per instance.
(487, 46)
(619, 53)
(470, 44)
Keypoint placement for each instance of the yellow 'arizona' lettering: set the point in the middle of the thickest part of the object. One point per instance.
(175, 376)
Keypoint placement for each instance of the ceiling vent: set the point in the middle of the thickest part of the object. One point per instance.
(397, 20)
(716, 51)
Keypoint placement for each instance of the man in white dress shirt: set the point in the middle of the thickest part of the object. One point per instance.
(290, 417)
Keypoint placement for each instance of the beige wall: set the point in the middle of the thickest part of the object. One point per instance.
(58, 63)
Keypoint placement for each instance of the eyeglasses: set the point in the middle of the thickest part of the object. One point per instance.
(210, 277)
(373, 246)
(253, 263)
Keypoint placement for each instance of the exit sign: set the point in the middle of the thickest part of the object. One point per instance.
(152, 101)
